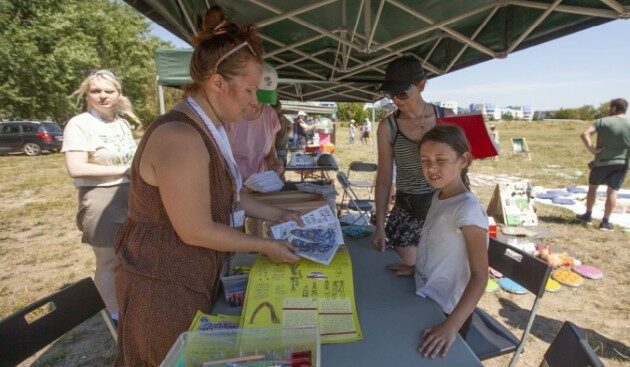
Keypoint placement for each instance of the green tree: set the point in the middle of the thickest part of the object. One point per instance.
(356, 111)
(603, 110)
(507, 116)
(47, 46)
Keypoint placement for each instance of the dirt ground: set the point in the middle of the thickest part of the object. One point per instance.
(40, 250)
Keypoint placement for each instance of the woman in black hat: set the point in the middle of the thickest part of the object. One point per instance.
(398, 136)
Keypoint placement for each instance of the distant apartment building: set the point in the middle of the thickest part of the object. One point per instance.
(491, 111)
(451, 105)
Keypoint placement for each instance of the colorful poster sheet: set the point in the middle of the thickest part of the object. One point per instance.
(304, 294)
(318, 239)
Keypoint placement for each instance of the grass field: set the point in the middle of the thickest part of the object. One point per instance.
(40, 249)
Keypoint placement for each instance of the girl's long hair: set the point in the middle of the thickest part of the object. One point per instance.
(453, 136)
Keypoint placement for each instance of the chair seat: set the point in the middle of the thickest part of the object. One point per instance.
(488, 338)
(360, 183)
(361, 205)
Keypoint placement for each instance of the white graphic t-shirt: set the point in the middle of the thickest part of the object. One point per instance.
(107, 144)
(442, 270)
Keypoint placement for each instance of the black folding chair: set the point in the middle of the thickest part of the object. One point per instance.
(42, 322)
(364, 207)
(487, 337)
(570, 349)
(357, 167)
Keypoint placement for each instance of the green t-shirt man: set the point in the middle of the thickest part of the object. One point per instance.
(613, 140)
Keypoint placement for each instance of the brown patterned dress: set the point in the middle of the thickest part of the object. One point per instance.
(161, 281)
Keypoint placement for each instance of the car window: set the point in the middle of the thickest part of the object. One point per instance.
(10, 129)
(51, 127)
(28, 128)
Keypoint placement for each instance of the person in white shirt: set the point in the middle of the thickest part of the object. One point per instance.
(366, 131)
(99, 146)
(452, 262)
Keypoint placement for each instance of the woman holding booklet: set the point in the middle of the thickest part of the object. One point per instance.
(185, 186)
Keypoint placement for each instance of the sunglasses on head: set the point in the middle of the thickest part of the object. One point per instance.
(232, 51)
(402, 95)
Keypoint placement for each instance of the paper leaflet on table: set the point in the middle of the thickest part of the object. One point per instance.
(267, 181)
(204, 322)
(474, 128)
(318, 239)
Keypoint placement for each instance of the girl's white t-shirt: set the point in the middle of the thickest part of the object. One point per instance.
(442, 269)
(107, 144)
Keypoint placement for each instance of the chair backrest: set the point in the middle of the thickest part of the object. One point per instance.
(40, 323)
(358, 166)
(570, 349)
(523, 268)
(345, 184)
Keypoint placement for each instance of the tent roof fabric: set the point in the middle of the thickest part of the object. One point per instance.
(337, 50)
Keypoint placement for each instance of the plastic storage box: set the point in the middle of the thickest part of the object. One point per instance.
(234, 276)
(256, 346)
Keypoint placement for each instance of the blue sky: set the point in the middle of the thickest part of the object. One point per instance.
(588, 67)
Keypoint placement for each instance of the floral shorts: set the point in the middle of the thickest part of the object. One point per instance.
(402, 228)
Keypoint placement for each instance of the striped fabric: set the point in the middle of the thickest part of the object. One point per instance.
(409, 176)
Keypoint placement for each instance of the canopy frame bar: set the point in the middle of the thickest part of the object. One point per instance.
(533, 26)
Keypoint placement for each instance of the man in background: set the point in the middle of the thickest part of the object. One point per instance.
(611, 158)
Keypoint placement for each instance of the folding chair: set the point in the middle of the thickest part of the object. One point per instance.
(519, 147)
(40, 323)
(364, 207)
(570, 349)
(358, 166)
(487, 337)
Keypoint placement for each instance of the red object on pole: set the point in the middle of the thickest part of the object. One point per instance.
(476, 132)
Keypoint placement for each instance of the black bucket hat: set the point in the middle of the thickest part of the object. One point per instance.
(401, 73)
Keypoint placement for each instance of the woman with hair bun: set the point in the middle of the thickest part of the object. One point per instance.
(99, 146)
(185, 187)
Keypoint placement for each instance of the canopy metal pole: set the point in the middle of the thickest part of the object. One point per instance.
(161, 99)
(373, 136)
(289, 14)
(533, 26)
(602, 13)
(368, 43)
(434, 26)
(456, 35)
(465, 47)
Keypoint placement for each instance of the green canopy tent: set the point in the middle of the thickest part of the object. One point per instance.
(336, 50)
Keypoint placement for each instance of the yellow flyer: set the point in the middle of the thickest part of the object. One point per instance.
(302, 294)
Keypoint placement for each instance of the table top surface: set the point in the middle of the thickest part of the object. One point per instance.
(391, 316)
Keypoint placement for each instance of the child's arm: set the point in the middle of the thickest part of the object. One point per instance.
(438, 339)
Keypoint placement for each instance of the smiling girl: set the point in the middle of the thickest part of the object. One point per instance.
(452, 262)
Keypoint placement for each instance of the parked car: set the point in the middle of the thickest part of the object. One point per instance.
(30, 137)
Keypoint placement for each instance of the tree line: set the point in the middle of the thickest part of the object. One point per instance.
(47, 47)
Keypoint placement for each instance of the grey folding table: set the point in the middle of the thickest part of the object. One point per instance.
(391, 316)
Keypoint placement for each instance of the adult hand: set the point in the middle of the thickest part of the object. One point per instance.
(379, 241)
(287, 215)
(437, 340)
(281, 252)
(402, 269)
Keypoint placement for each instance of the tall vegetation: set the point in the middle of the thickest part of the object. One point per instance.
(586, 112)
(347, 111)
(47, 46)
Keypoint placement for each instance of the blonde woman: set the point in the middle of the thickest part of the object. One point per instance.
(99, 147)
